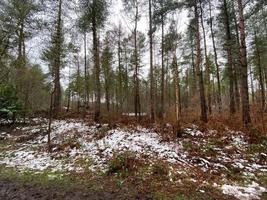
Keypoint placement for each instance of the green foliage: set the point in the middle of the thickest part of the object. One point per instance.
(122, 164)
(95, 11)
(9, 103)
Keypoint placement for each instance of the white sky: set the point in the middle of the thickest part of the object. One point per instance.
(117, 15)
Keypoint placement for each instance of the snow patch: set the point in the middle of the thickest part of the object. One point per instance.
(252, 191)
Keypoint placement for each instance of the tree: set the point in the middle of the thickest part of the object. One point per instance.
(152, 95)
(219, 98)
(132, 7)
(54, 54)
(228, 46)
(162, 9)
(94, 14)
(207, 63)
(204, 116)
(244, 66)
(106, 62)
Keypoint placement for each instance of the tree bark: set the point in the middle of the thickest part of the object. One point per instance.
(136, 80)
(207, 63)
(120, 69)
(229, 58)
(97, 68)
(177, 91)
(57, 62)
(261, 81)
(152, 95)
(219, 95)
(85, 72)
(162, 108)
(204, 116)
(244, 66)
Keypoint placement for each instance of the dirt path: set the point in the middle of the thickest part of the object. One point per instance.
(16, 190)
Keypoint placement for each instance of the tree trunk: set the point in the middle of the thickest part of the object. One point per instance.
(50, 121)
(219, 95)
(152, 95)
(78, 80)
(85, 72)
(207, 63)
(237, 66)
(244, 66)
(97, 69)
(57, 62)
(252, 85)
(136, 81)
(120, 69)
(204, 116)
(261, 81)
(177, 91)
(229, 59)
(162, 108)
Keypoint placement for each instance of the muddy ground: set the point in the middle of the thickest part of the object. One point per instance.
(11, 189)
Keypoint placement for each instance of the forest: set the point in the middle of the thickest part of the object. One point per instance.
(133, 99)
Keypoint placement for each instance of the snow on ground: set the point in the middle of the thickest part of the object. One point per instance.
(252, 191)
(96, 144)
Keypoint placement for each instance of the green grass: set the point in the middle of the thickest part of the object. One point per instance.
(47, 178)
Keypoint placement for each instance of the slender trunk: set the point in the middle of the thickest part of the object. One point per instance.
(187, 100)
(261, 81)
(162, 109)
(244, 67)
(97, 70)
(120, 70)
(57, 62)
(230, 59)
(204, 116)
(78, 80)
(236, 84)
(21, 45)
(207, 63)
(252, 85)
(177, 91)
(107, 97)
(50, 121)
(85, 72)
(152, 95)
(136, 81)
(69, 93)
(219, 96)
(237, 66)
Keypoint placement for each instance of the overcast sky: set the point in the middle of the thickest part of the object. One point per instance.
(117, 15)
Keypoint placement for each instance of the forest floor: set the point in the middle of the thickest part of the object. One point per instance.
(104, 161)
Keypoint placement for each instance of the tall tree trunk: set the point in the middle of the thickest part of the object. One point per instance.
(85, 72)
(136, 79)
(207, 63)
(57, 62)
(252, 85)
(204, 116)
(120, 69)
(229, 58)
(261, 81)
(162, 107)
(97, 68)
(244, 67)
(152, 95)
(177, 91)
(107, 96)
(219, 95)
(50, 120)
(69, 93)
(78, 80)
(237, 66)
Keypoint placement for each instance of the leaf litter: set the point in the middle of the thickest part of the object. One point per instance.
(96, 144)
